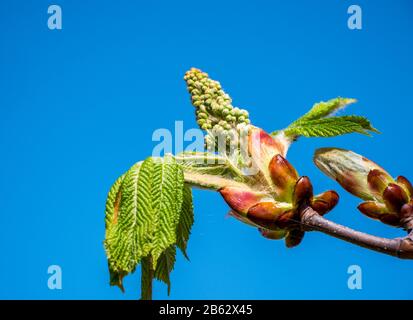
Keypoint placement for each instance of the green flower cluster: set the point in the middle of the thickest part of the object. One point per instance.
(214, 110)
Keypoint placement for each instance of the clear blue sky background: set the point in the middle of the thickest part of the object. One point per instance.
(79, 106)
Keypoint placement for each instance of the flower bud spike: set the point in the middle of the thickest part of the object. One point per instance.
(402, 181)
(395, 197)
(294, 238)
(240, 199)
(284, 176)
(373, 209)
(303, 191)
(378, 181)
(325, 202)
(272, 234)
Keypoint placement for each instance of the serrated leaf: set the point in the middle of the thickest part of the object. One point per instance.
(330, 127)
(324, 109)
(208, 163)
(362, 121)
(186, 220)
(120, 243)
(142, 215)
(210, 171)
(167, 196)
(165, 266)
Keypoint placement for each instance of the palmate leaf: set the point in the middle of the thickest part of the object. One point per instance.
(148, 212)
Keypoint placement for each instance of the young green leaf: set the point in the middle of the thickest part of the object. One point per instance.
(165, 266)
(325, 109)
(208, 163)
(111, 216)
(330, 127)
(167, 197)
(121, 239)
(186, 220)
(148, 213)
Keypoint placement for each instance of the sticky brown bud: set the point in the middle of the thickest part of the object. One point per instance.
(283, 175)
(268, 211)
(266, 214)
(394, 197)
(240, 199)
(325, 202)
(373, 209)
(378, 181)
(303, 191)
(294, 238)
(402, 181)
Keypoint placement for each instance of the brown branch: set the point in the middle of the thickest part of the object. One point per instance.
(399, 247)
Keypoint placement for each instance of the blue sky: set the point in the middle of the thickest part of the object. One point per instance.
(78, 107)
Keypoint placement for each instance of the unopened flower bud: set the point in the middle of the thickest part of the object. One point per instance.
(217, 104)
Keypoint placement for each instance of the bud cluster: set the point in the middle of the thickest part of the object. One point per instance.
(386, 199)
(276, 212)
(214, 110)
(393, 202)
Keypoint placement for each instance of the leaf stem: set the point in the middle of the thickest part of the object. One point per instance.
(147, 278)
(398, 247)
